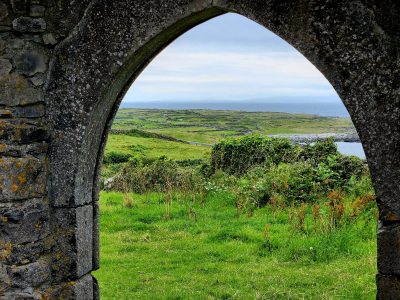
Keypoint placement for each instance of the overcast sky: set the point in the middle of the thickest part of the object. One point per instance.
(230, 58)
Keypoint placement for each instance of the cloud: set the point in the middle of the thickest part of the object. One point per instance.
(213, 71)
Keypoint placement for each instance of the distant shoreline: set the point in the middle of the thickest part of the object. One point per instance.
(296, 138)
(328, 109)
(311, 138)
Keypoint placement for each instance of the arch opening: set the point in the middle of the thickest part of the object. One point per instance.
(311, 249)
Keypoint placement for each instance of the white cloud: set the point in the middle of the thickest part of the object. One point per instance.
(185, 70)
(201, 75)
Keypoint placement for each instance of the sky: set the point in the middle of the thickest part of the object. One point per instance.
(230, 58)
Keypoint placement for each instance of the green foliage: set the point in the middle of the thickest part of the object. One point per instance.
(237, 156)
(261, 204)
(258, 169)
(319, 151)
(116, 157)
(210, 126)
(189, 162)
(142, 175)
(349, 166)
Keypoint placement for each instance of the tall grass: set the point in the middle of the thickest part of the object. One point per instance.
(209, 252)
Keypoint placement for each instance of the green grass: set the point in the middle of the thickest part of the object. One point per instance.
(210, 126)
(152, 147)
(210, 253)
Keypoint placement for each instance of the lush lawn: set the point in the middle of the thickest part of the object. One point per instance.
(211, 253)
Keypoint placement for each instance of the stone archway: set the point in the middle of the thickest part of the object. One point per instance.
(64, 68)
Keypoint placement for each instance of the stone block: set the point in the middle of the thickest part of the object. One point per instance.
(37, 10)
(22, 178)
(49, 39)
(17, 90)
(27, 223)
(72, 255)
(27, 24)
(37, 150)
(24, 294)
(5, 280)
(389, 248)
(84, 236)
(5, 113)
(2, 46)
(3, 11)
(81, 289)
(30, 275)
(31, 61)
(96, 235)
(96, 289)
(36, 110)
(5, 66)
(388, 287)
(38, 79)
(5, 28)
(18, 254)
(20, 132)
(20, 6)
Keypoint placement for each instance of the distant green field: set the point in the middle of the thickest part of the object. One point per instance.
(208, 126)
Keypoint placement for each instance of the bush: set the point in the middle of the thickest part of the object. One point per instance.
(237, 156)
(294, 183)
(116, 157)
(302, 182)
(348, 166)
(336, 170)
(189, 162)
(140, 175)
(319, 151)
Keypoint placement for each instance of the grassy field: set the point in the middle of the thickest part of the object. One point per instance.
(211, 253)
(152, 147)
(207, 126)
(210, 126)
(211, 249)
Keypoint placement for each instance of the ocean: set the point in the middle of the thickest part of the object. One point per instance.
(355, 149)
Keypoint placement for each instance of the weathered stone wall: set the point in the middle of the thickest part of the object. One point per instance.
(29, 32)
(64, 67)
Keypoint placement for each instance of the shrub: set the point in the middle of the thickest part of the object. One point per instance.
(348, 166)
(237, 156)
(336, 170)
(141, 175)
(116, 157)
(189, 162)
(285, 183)
(319, 151)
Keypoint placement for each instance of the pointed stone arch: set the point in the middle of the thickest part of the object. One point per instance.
(104, 45)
